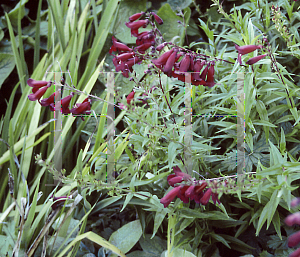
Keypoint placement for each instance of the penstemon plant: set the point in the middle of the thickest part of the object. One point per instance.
(192, 117)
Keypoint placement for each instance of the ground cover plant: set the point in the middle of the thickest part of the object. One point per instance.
(146, 128)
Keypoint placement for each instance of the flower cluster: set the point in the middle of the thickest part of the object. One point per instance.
(193, 189)
(127, 57)
(294, 219)
(39, 88)
(174, 66)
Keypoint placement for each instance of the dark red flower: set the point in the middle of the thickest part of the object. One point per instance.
(199, 188)
(293, 219)
(181, 193)
(168, 198)
(163, 58)
(48, 101)
(157, 18)
(255, 59)
(124, 56)
(173, 181)
(214, 197)
(198, 65)
(36, 84)
(294, 239)
(295, 202)
(82, 108)
(204, 73)
(64, 104)
(161, 46)
(205, 198)
(247, 49)
(144, 47)
(117, 46)
(179, 173)
(185, 63)
(135, 16)
(170, 63)
(197, 197)
(297, 252)
(130, 97)
(38, 93)
(210, 76)
(145, 37)
(137, 24)
(190, 192)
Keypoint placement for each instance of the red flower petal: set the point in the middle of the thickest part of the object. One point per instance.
(168, 198)
(157, 18)
(205, 198)
(170, 63)
(48, 101)
(297, 252)
(185, 63)
(255, 59)
(37, 83)
(163, 58)
(137, 24)
(294, 239)
(135, 16)
(130, 97)
(38, 94)
(247, 49)
(190, 192)
(293, 219)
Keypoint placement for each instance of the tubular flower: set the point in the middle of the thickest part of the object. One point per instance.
(297, 252)
(36, 84)
(170, 63)
(163, 58)
(294, 239)
(198, 197)
(134, 26)
(130, 97)
(295, 202)
(190, 192)
(117, 46)
(210, 76)
(255, 59)
(125, 56)
(178, 172)
(48, 101)
(181, 194)
(160, 47)
(38, 93)
(205, 198)
(168, 198)
(82, 108)
(135, 16)
(145, 37)
(185, 63)
(137, 24)
(247, 49)
(293, 219)
(144, 47)
(201, 187)
(214, 197)
(64, 104)
(157, 18)
(198, 65)
(175, 180)
(204, 73)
